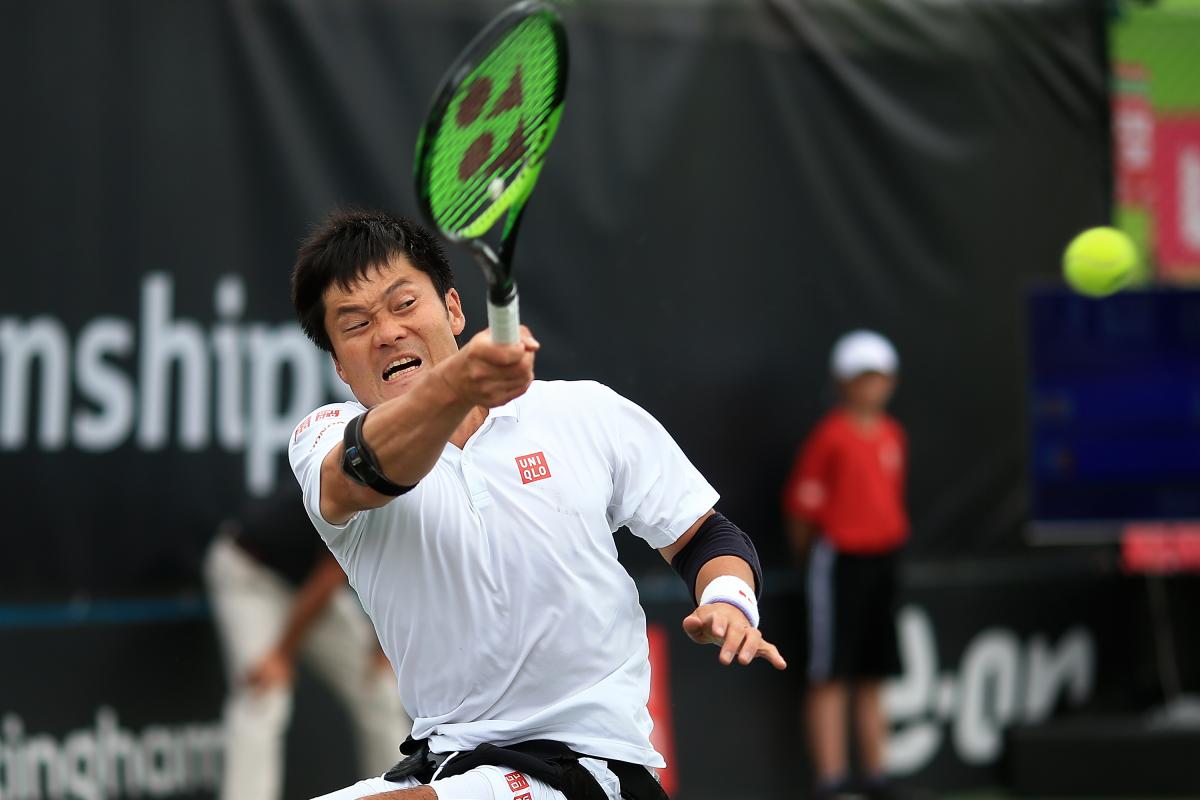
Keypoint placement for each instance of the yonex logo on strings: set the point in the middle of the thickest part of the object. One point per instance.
(533, 467)
(496, 124)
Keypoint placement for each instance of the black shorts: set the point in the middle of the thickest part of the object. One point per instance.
(851, 615)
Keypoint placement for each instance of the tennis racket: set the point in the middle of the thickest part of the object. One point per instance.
(484, 141)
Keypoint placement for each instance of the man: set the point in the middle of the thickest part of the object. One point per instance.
(279, 596)
(473, 510)
(845, 505)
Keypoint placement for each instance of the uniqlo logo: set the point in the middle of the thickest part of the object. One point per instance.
(533, 467)
(516, 782)
(526, 796)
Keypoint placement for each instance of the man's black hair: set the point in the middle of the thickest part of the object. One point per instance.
(342, 249)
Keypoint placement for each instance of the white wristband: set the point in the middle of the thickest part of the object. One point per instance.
(734, 591)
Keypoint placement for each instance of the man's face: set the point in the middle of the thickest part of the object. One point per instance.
(389, 328)
(869, 392)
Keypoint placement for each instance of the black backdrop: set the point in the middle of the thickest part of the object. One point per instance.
(734, 185)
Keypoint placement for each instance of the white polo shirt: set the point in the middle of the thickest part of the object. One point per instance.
(494, 584)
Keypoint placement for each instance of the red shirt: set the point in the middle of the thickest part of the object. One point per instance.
(850, 483)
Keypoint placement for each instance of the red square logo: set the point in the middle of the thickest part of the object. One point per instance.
(526, 796)
(516, 781)
(533, 467)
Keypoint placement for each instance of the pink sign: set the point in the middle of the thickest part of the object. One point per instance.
(1177, 196)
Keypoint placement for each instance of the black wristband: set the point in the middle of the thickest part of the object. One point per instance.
(716, 536)
(360, 464)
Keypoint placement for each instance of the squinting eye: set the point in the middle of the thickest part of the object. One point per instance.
(355, 326)
(407, 303)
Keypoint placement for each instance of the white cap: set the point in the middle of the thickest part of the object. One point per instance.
(862, 351)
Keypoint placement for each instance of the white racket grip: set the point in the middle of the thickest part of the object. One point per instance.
(504, 322)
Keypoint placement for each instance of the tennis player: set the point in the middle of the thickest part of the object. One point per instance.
(473, 509)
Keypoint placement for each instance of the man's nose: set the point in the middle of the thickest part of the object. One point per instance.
(389, 330)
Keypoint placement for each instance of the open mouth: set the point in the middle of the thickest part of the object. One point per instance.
(401, 366)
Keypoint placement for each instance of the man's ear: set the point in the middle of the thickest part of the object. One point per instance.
(458, 321)
(337, 367)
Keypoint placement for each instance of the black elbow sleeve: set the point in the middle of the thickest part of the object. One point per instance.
(716, 536)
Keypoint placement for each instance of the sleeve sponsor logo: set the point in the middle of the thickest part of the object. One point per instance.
(302, 427)
(516, 782)
(329, 413)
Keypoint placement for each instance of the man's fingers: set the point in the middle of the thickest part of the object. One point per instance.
(732, 642)
(693, 626)
(750, 646)
(495, 384)
(499, 392)
(527, 339)
(770, 653)
(516, 370)
(701, 627)
(737, 639)
(501, 355)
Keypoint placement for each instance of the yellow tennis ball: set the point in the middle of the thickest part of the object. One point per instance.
(1100, 261)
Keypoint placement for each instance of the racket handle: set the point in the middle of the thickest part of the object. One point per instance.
(504, 321)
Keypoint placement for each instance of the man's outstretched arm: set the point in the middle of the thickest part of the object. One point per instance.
(719, 563)
(406, 434)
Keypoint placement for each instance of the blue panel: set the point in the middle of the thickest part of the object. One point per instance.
(1114, 405)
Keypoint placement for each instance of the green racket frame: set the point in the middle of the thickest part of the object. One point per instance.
(510, 202)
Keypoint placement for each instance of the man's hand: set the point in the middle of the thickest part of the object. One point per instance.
(490, 374)
(275, 669)
(725, 625)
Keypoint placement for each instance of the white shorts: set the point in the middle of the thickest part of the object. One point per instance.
(483, 783)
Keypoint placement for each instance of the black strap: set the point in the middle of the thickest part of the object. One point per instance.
(552, 763)
(637, 781)
(419, 763)
(361, 465)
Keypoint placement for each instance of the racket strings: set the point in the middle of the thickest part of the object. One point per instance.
(463, 200)
(471, 204)
(518, 79)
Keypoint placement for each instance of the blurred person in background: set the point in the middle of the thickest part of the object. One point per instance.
(844, 505)
(278, 595)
